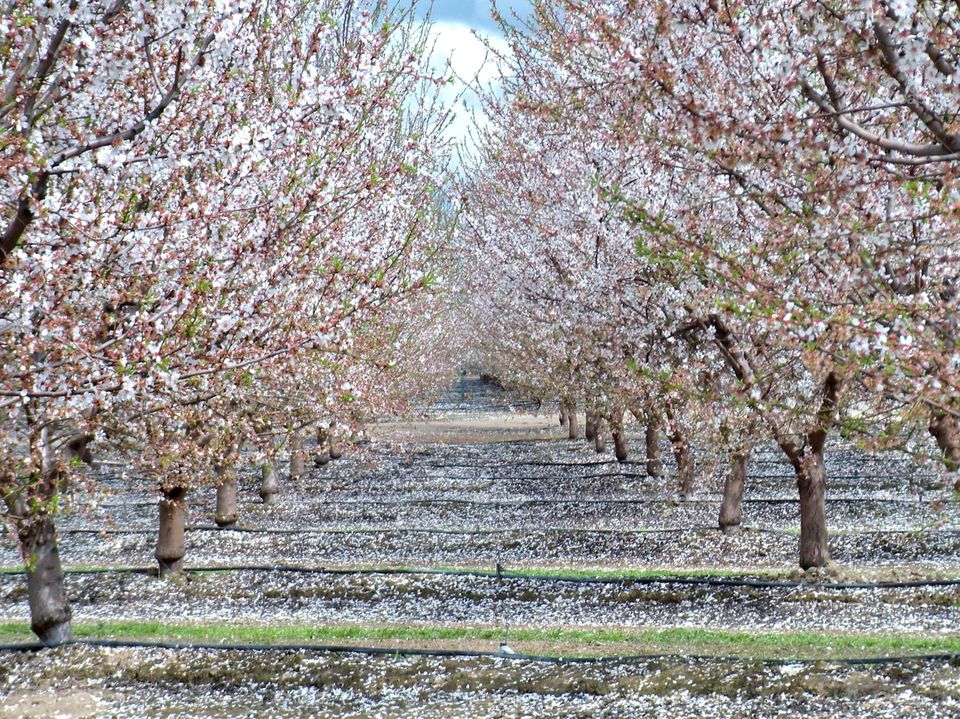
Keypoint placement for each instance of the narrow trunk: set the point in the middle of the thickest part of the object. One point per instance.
(573, 423)
(681, 452)
(654, 464)
(600, 437)
(49, 609)
(945, 430)
(226, 498)
(812, 483)
(731, 511)
(563, 416)
(297, 459)
(173, 521)
(269, 487)
(590, 426)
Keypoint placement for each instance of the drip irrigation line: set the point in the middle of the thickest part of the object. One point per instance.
(526, 503)
(468, 654)
(501, 530)
(506, 575)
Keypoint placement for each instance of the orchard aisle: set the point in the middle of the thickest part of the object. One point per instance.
(400, 543)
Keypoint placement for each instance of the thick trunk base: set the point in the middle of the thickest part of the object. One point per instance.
(620, 449)
(227, 503)
(590, 426)
(50, 611)
(600, 439)
(731, 509)
(269, 486)
(573, 424)
(170, 541)
(812, 483)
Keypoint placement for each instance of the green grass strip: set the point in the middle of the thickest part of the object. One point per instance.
(566, 641)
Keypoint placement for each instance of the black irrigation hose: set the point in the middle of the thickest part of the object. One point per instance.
(502, 530)
(466, 654)
(704, 581)
(522, 503)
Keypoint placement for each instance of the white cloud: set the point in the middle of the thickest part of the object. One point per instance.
(471, 64)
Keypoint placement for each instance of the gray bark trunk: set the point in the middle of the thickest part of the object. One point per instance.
(731, 509)
(297, 459)
(226, 498)
(269, 487)
(49, 608)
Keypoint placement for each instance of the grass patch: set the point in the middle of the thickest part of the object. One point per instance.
(568, 641)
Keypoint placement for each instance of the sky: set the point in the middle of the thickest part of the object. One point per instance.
(454, 23)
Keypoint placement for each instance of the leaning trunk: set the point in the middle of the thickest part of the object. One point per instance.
(173, 522)
(226, 498)
(269, 487)
(49, 609)
(654, 464)
(812, 483)
(731, 511)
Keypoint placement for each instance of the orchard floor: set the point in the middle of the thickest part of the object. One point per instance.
(475, 526)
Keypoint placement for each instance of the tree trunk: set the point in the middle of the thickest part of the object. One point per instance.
(269, 487)
(49, 609)
(654, 464)
(812, 483)
(599, 437)
(620, 449)
(946, 431)
(573, 423)
(563, 416)
(590, 426)
(226, 498)
(297, 459)
(681, 452)
(173, 521)
(731, 511)
(336, 452)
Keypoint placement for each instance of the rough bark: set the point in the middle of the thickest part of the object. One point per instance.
(590, 426)
(49, 608)
(297, 457)
(269, 486)
(226, 498)
(573, 423)
(946, 431)
(173, 521)
(654, 463)
(600, 437)
(682, 454)
(336, 451)
(731, 510)
(812, 483)
(620, 449)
